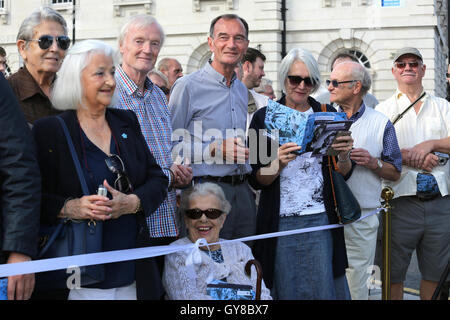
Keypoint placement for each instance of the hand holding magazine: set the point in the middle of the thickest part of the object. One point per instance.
(314, 133)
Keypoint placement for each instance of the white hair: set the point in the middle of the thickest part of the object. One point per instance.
(360, 73)
(299, 54)
(67, 91)
(262, 86)
(204, 189)
(140, 21)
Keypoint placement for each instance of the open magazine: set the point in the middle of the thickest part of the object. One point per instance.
(314, 133)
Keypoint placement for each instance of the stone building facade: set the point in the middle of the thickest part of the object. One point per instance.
(371, 29)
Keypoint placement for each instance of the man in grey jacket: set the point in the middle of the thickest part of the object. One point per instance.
(20, 192)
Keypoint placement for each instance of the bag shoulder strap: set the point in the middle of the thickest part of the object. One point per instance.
(399, 116)
(331, 161)
(76, 162)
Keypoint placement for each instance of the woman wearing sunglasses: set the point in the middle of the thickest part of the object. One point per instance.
(297, 194)
(205, 209)
(42, 42)
(112, 152)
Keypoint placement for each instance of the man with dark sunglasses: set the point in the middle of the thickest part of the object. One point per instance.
(42, 42)
(140, 42)
(421, 204)
(377, 156)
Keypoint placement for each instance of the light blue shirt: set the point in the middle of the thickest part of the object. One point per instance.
(205, 109)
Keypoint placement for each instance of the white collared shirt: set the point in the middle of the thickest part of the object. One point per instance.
(432, 122)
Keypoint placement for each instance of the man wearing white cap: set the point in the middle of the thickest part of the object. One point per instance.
(421, 204)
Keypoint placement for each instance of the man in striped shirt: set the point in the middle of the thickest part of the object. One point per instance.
(140, 41)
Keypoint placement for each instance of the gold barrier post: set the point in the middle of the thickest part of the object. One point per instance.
(387, 194)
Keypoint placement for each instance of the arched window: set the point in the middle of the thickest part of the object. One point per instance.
(361, 58)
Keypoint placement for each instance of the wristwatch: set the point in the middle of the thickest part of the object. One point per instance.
(379, 164)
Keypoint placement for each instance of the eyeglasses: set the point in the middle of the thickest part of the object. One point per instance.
(296, 80)
(46, 42)
(115, 165)
(402, 65)
(336, 83)
(447, 75)
(211, 213)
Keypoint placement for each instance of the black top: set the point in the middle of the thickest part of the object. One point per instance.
(20, 181)
(269, 205)
(60, 180)
(93, 164)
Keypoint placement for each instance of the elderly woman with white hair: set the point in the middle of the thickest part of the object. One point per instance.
(112, 152)
(42, 42)
(297, 194)
(205, 209)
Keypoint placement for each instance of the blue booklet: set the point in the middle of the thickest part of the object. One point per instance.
(4, 289)
(314, 133)
(221, 290)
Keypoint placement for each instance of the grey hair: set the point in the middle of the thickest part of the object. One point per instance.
(360, 73)
(26, 30)
(204, 189)
(140, 21)
(262, 86)
(159, 74)
(299, 54)
(67, 91)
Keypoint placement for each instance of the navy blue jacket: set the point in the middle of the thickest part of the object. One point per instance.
(60, 180)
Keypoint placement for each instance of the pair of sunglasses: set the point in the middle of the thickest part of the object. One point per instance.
(296, 80)
(447, 75)
(336, 83)
(211, 213)
(115, 165)
(402, 65)
(46, 41)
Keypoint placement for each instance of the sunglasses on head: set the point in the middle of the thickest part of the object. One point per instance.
(115, 165)
(296, 80)
(211, 213)
(336, 83)
(46, 42)
(401, 64)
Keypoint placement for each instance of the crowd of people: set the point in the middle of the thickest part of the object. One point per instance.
(140, 129)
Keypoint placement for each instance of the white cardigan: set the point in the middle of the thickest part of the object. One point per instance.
(180, 286)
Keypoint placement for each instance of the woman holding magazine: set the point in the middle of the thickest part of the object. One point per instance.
(295, 194)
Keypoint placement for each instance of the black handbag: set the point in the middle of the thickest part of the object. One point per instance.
(70, 237)
(346, 205)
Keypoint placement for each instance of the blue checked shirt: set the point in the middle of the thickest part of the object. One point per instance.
(154, 117)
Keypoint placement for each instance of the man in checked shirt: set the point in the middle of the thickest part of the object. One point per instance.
(140, 41)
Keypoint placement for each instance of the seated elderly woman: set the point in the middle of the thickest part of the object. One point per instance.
(42, 42)
(205, 209)
(112, 152)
